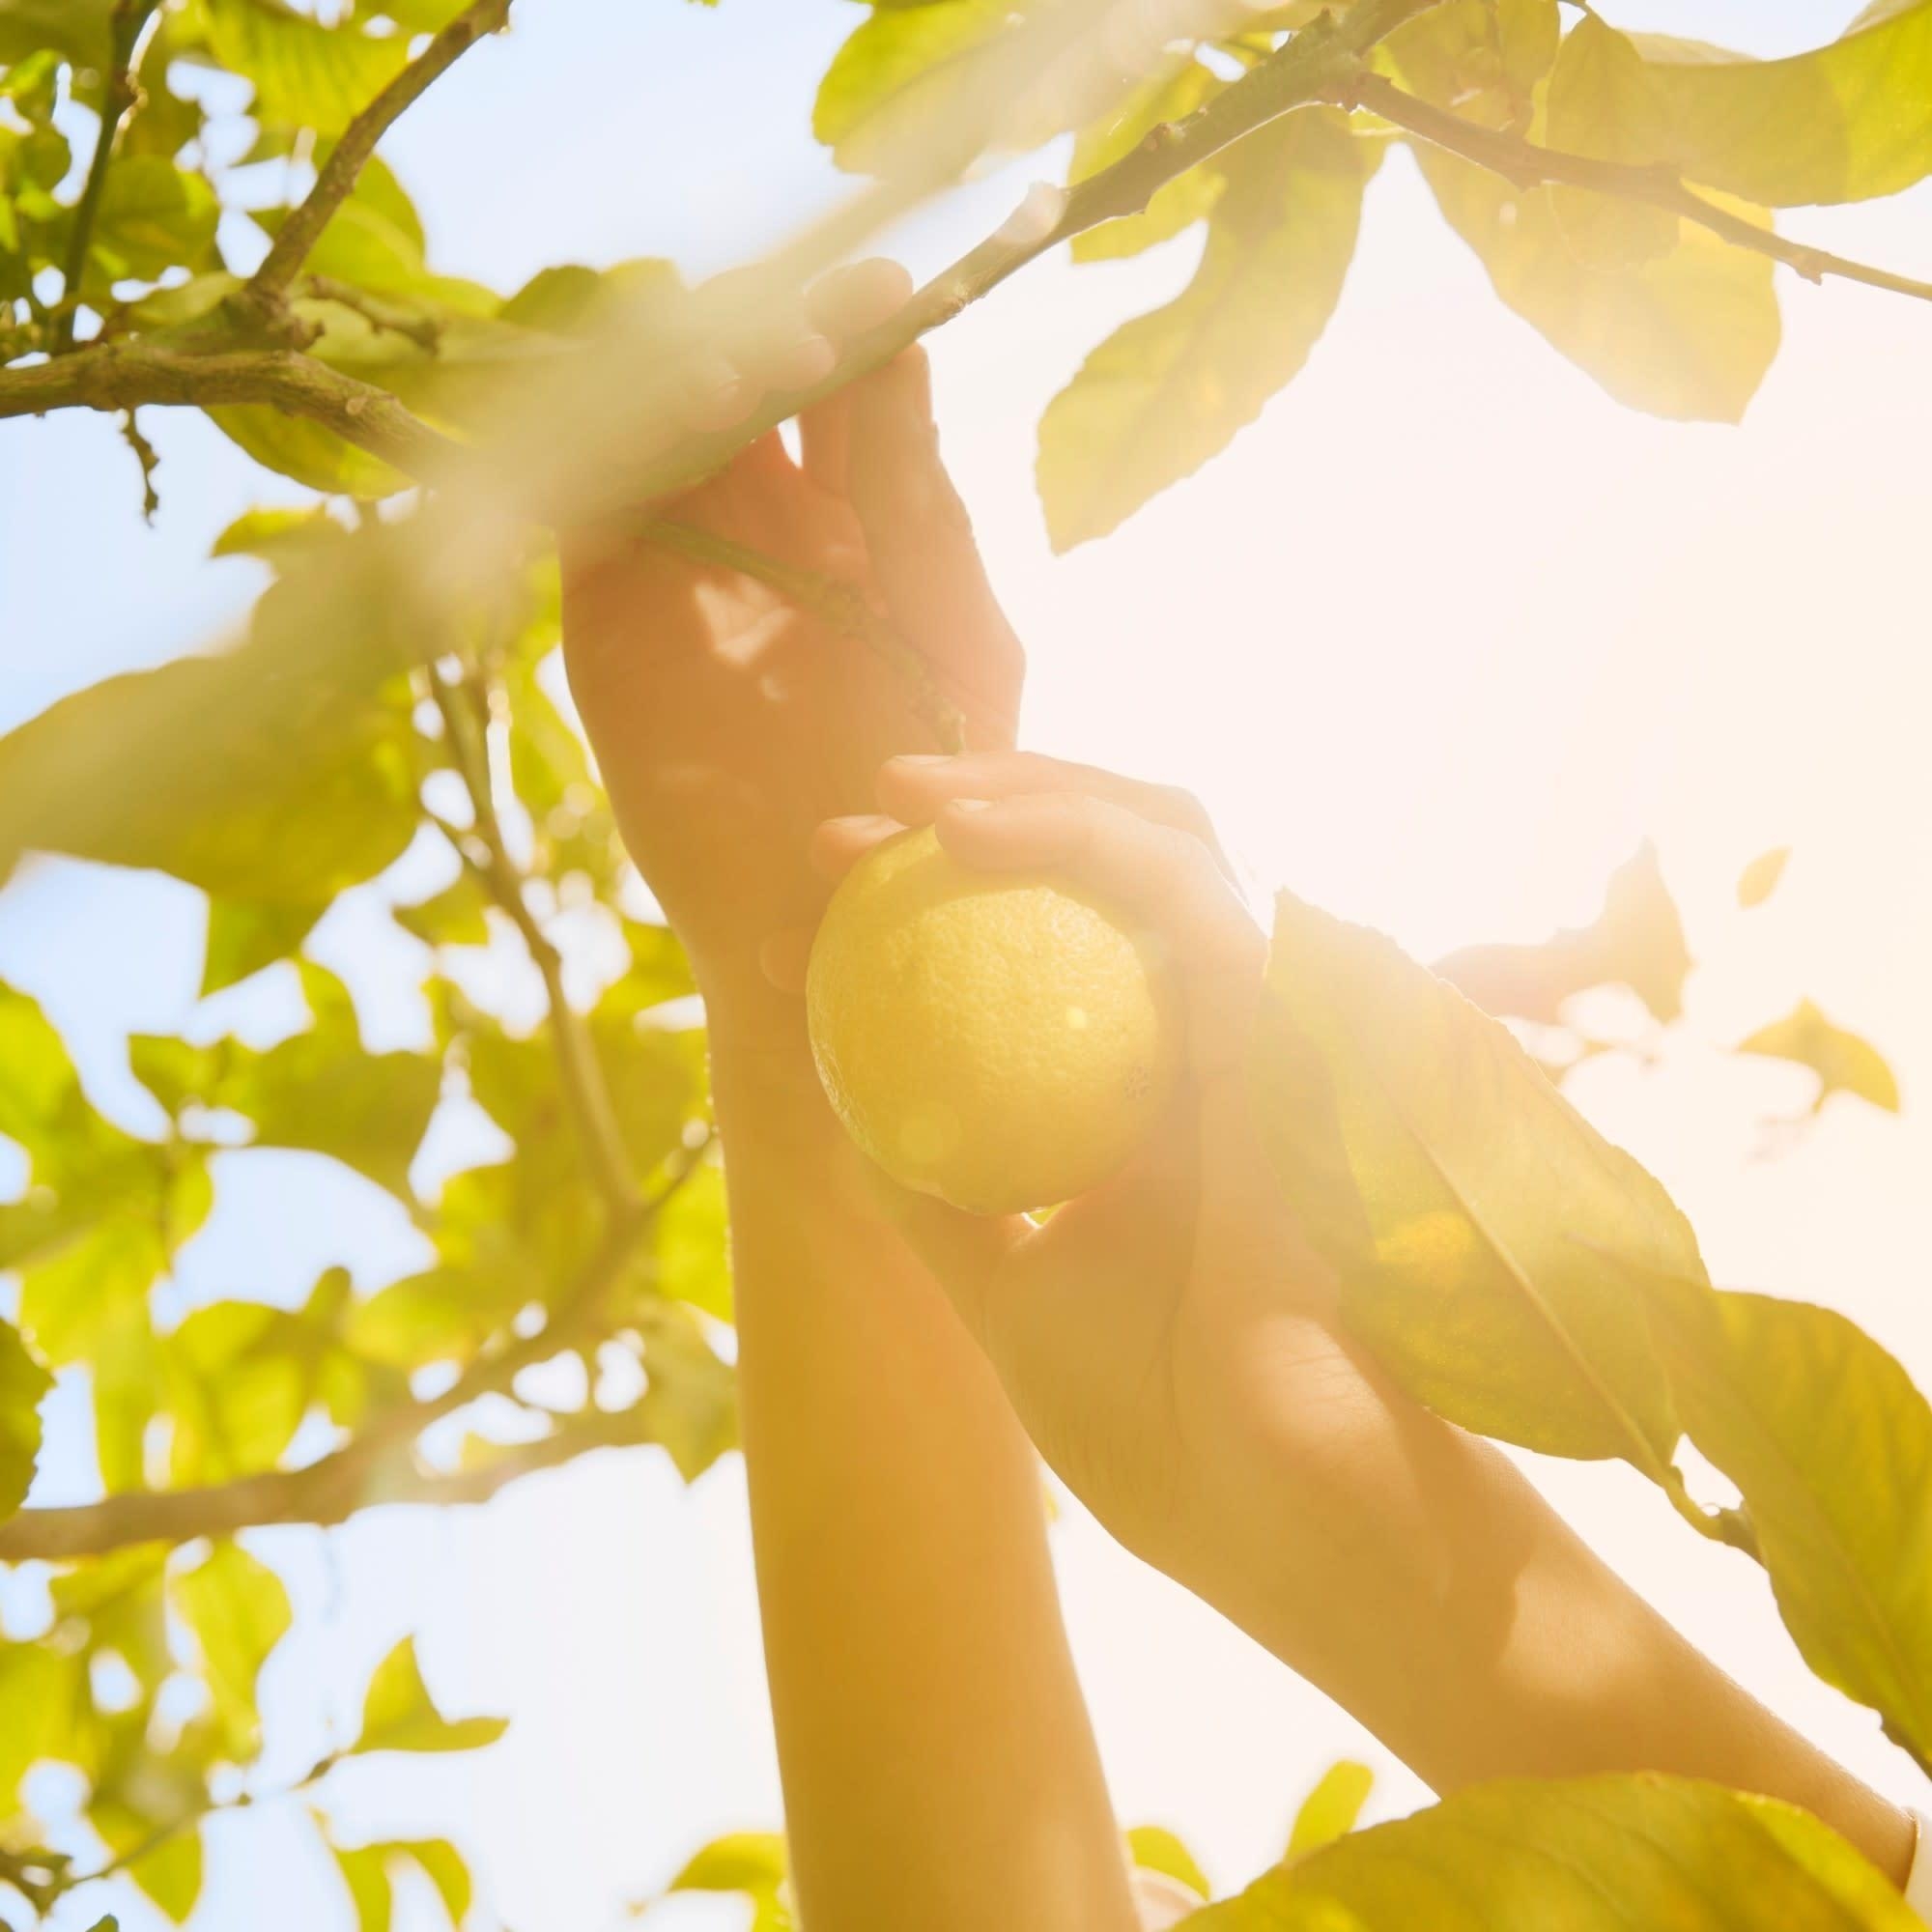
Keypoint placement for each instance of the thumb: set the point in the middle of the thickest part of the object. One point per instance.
(919, 542)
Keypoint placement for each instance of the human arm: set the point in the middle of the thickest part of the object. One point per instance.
(1177, 1352)
(938, 1765)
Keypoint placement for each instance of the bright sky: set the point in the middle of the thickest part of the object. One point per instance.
(1440, 640)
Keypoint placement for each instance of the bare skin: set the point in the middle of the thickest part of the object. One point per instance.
(1166, 1342)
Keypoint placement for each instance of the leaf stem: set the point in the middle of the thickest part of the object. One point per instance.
(117, 95)
(1529, 165)
(586, 1093)
(352, 1477)
(267, 290)
(839, 607)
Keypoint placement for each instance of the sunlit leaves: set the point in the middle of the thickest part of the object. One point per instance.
(1590, 1855)
(1178, 204)
(153, 216)
(897, 72)
(1688, 334)
(1169, 390)
(1155, 1848)
(1601, 104)
(1830, 1446)
(318, 1090)
(239, 1610)
(399, 1714)
(1332, 1809)
(1470, 1210)
(241, 774)
(22, 1384)
(245, 935)
(1844, 1063)
(306, 74)
(749, 1862)
(1845, 122)
(1760, 878)
(368, 1871)
(1635, 941)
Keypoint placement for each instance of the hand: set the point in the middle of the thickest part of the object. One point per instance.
(1159, 1334)
(728, 723)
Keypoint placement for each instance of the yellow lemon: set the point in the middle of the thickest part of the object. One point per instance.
(1000, 1041)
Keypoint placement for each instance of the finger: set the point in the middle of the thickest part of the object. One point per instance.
(842, 306)
(1163, 881)
(710, 393)
(848, 301)
(965, 1252)
(764, 331)
(916, 788)
(919, 542)
(837, 845)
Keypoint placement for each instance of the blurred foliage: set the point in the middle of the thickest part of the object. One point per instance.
(1511, 1266)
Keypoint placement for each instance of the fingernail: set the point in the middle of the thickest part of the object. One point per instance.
(807, 361)
(970, 805)
(919, 759)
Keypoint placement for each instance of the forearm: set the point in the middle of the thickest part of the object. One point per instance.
(938, 1764)
(1461, 1619)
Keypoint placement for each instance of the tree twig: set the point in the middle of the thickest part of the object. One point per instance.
(586, 1093)
(839, 607)
(1529, 165)
(366, 1471)
(118, 93)
(1304, 70)
(132, 375)
(267, 290)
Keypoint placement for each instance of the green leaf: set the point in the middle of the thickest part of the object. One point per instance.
(42, 1691)
(452, 917)
(690, 1406)
(274, 534)
(446, 1869)
(315, 457)
(1588, 1855)
(749, 1861)
(306, 74)
(366, 1872)
(245, 936)
(239, 1610)
(171, 1874)
(1688, 335)
(1470, 1211)
(1155, 1848)
(1178, 204)
(1601, 104)
(441, 1315)
(1169, 390)
(1635, 941)
(1844, 1063)
(1330, 1810)
(400, 1714)
(240, 1379)
(76, 27)
(1760, 878)
(153, 216)
(689, 1257)
(896, 77)
(22, 1384)
(1846, 121)
(1830, 1446)
(249, 775)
